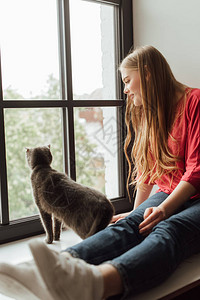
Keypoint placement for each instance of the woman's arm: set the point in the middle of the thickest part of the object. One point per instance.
(178, 197)
(142, 194)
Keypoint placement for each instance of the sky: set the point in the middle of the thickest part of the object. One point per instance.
(29, 45)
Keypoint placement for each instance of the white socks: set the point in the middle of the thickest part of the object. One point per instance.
(22, 282)
(67, 278)
(52, 276)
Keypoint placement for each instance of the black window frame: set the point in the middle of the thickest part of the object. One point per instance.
(30, 226)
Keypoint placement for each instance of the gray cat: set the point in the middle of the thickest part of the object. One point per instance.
(62, 200)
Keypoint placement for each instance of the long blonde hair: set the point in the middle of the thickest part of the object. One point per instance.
(149, 125)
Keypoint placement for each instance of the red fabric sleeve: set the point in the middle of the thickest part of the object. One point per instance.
(192, 151)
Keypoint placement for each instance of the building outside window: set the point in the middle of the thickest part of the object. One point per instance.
(60, 86)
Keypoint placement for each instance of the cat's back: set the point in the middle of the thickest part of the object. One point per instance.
(54, 188)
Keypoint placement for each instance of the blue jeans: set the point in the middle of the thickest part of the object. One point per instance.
(144, 262)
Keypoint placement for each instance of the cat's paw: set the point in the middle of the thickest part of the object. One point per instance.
(49, 241)
(57, 237)
(56, 234)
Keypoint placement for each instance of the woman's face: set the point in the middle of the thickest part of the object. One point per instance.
(131, 81)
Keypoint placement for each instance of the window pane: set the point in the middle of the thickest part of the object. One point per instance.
(29, 49)
(93, 50)
(29, 128)
(97, 149)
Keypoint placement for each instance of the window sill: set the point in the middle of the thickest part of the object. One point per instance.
(18, 251)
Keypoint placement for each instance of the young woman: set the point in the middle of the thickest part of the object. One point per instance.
(143, 247)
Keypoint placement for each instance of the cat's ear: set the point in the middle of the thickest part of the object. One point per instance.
(27, 149)
(49, 146)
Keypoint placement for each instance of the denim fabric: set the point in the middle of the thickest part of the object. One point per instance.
(144, 262)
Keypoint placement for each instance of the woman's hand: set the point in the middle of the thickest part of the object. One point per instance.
(118, 217)
(152, 216)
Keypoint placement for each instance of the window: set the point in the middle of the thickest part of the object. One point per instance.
(60, 86)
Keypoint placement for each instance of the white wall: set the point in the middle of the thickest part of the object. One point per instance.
(173, 27)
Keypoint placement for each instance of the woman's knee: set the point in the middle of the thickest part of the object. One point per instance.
(178, 234)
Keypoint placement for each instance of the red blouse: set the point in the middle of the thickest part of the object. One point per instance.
(185, 142)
